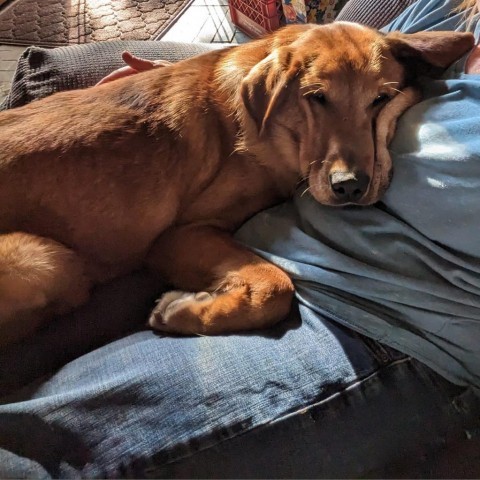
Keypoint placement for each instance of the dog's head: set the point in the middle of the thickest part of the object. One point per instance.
(328, 98)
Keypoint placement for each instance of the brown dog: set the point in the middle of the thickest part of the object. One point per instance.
(160, 167)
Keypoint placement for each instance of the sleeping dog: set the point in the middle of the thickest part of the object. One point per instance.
(159, 168)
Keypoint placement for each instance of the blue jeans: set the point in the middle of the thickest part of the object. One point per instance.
(306, 398)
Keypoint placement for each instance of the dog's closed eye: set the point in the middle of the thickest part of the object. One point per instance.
(381, 99)
(319, 98)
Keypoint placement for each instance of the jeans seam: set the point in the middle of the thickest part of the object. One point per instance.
(347, 388)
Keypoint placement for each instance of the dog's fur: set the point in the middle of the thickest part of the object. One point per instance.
(160, 167)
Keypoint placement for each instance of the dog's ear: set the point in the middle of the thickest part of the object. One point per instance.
(265, 87)
(429, 53)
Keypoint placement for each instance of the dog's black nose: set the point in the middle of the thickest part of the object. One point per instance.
(349, 186)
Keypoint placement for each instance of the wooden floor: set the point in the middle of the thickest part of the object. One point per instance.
(205, 21)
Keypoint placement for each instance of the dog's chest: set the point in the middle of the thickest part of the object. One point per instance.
(238, 191)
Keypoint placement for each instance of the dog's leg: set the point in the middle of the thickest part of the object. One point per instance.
(227, 287)
(38, 277)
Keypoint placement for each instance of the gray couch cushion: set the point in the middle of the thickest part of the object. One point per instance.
(41, 72)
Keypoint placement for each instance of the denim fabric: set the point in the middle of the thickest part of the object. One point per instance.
(153, 406)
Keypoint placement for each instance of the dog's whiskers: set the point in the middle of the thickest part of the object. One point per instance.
(305, 191)
(314, 84)
(397, 90)
(301, 180)
(309, 92)
(314, 87)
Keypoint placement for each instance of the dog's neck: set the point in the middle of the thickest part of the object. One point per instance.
(214, 101)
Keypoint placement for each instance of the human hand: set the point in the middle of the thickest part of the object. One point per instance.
(134, 65)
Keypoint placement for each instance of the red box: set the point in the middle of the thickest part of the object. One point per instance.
(256, 17)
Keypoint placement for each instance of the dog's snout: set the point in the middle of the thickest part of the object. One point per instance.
(349, 187)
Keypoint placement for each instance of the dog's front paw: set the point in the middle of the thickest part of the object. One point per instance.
(177, 312)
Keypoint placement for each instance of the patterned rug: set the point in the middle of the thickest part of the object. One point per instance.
(50, 23)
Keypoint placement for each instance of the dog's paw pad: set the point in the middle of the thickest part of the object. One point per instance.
(202, 296)
(174, 305)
